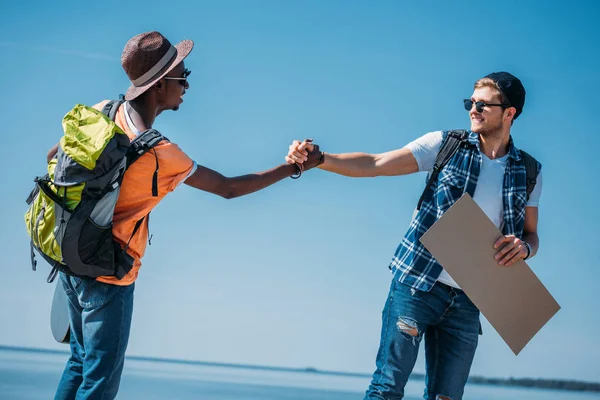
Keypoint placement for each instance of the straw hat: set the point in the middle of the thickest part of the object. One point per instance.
(148, 57)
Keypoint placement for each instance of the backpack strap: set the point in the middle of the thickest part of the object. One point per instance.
(110, 108)
(143, 143)
(43, 182)
(531, 171)
(448, 148)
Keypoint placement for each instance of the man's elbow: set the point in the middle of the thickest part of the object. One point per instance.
(228, 195)
(227, 190)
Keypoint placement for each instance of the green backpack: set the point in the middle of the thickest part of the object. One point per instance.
(69, 220)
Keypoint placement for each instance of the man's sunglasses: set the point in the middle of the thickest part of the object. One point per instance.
(183, 79)
(479, 105)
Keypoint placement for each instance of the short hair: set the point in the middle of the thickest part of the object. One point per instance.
(489, 82)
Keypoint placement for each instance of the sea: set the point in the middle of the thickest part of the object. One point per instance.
(29, 374)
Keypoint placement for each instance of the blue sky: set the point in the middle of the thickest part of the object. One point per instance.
(296, 275)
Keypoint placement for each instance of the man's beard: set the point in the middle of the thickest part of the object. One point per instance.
(494, 131)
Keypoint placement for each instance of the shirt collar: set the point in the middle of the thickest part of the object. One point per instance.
(129, 120)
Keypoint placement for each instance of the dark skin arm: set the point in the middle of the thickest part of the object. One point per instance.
(52, 152)
(211, 181)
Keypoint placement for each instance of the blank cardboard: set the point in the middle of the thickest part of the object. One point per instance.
(512, 298)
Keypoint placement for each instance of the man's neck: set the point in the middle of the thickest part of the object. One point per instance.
(142, 113)
(494, 145)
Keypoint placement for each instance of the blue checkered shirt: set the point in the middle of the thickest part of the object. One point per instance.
(413, 264)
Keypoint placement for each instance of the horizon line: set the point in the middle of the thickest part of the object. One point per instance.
(307, 369)
(200, 362)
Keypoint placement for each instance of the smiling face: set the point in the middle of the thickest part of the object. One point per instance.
(495, 116)
(491, 119)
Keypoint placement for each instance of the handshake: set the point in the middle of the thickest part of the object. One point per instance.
(305, 155)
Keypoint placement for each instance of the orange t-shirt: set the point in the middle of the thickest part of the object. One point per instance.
(135, 198)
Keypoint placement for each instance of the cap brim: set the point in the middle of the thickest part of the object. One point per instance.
(183, 50)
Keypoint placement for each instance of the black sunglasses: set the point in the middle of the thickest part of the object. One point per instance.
(480, 104)
(183, 79)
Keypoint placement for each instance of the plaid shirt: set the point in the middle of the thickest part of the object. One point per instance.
(413, 264)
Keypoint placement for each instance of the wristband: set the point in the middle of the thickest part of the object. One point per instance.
(528, 250)
(298, 172)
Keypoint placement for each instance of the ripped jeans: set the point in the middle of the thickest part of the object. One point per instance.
(448, 321)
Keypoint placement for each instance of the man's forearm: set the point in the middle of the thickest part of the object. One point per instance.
(246, 184)
(350, 164)
(533, 240)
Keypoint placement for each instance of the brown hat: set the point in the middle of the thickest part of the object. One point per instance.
(148, 57)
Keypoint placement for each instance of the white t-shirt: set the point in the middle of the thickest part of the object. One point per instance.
(488, 193)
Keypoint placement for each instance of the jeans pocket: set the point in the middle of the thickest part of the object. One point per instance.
(91, 293)
(65, 281)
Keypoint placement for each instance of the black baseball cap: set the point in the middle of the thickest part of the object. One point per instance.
(512, 88)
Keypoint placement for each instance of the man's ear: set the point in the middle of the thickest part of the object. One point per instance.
(510, 112)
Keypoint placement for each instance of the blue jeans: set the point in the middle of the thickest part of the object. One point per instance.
(448, 321)
(100, 319)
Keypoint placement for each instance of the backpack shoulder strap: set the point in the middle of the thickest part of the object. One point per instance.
(111, 107)
(531, 171)
(143, 143)
(448, 148)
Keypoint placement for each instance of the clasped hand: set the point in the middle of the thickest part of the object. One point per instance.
(306, 154)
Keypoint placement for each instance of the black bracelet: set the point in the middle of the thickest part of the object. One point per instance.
(528, 250)
(298, 172)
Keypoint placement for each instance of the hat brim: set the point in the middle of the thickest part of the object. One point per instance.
(183, 50)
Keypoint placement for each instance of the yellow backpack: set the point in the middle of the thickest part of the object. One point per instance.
(69, 220)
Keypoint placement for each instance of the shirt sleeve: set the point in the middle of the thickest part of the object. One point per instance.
(536, 193)
(175, 166)
(425, 149)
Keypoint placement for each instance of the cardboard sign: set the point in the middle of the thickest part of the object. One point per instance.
(512, 298)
